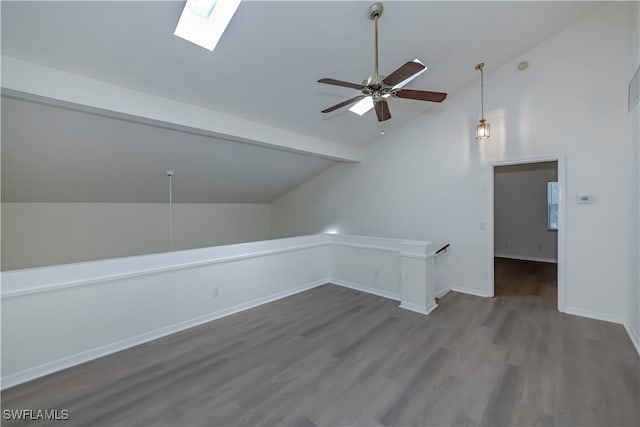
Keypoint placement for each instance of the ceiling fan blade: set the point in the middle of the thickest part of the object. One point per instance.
(340, 83)
(382, 110)
(401, 74)
(421, 95)
(342, 104)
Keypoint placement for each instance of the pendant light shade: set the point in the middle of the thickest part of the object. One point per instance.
(483, 129)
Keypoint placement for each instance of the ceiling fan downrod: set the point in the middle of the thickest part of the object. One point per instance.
(375, 12)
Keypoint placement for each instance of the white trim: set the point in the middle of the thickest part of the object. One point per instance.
(414, 255)
(592, 314)
(43, 279)
(470, 291)
(150, 271)
(94, 353)
(362, 288)
(491, 232)
(363, 246)
(527, 258)
(562, 234)
(562, 229)
(634, 336)
(525, 161)
(443, 292)
(411, 248)
(418, 308)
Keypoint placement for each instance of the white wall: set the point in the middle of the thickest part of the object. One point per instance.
(431, 177)
(520, 212)
(39, 234)
(376, 269)
(633, 293)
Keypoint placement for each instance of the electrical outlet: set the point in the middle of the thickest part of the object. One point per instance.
(215, 292)
(376, 273)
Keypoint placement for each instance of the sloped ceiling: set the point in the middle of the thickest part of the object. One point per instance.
(264, 69)
(53, 154)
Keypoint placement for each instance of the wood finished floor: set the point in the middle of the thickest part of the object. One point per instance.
(335, 357)
(526, 280)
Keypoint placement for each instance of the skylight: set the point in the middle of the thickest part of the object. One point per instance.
(362, 106)
(203, 21)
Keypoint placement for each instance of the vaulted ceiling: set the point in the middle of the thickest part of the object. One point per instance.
(53, 154)
(264, 70)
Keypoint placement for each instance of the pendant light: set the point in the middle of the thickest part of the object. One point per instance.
(482, 128)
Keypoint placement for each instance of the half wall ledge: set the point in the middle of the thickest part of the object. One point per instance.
(100, 307)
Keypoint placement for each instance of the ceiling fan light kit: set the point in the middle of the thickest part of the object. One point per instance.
(483, 129)
(377, 89)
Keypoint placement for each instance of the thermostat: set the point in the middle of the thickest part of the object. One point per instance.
(584, 198)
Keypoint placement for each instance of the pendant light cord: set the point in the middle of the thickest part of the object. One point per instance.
(481, 93)
(170, 175)
(480, 67)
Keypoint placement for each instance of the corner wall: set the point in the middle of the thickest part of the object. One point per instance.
(429, 179)
(633, 293)
(41, 234)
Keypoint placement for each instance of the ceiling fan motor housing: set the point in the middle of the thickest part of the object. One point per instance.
(374, 86)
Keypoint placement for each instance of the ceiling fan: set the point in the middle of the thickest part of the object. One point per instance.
(376, 89)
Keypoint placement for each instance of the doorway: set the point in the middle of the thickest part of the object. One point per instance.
(526, 239)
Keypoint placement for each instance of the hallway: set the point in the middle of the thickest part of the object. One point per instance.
(526, 280)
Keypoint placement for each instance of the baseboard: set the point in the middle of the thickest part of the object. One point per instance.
(363, 288)
(634, 336)
(418, 308)
(443, 292)
(527, 258)
(76, 359)
(384, 294)
(470, 291)
(592, 314)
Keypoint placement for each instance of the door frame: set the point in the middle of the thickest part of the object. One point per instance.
(562, 229)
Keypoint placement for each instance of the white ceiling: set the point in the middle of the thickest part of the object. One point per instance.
(269, 59)
(264, 69)
(53, 154)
